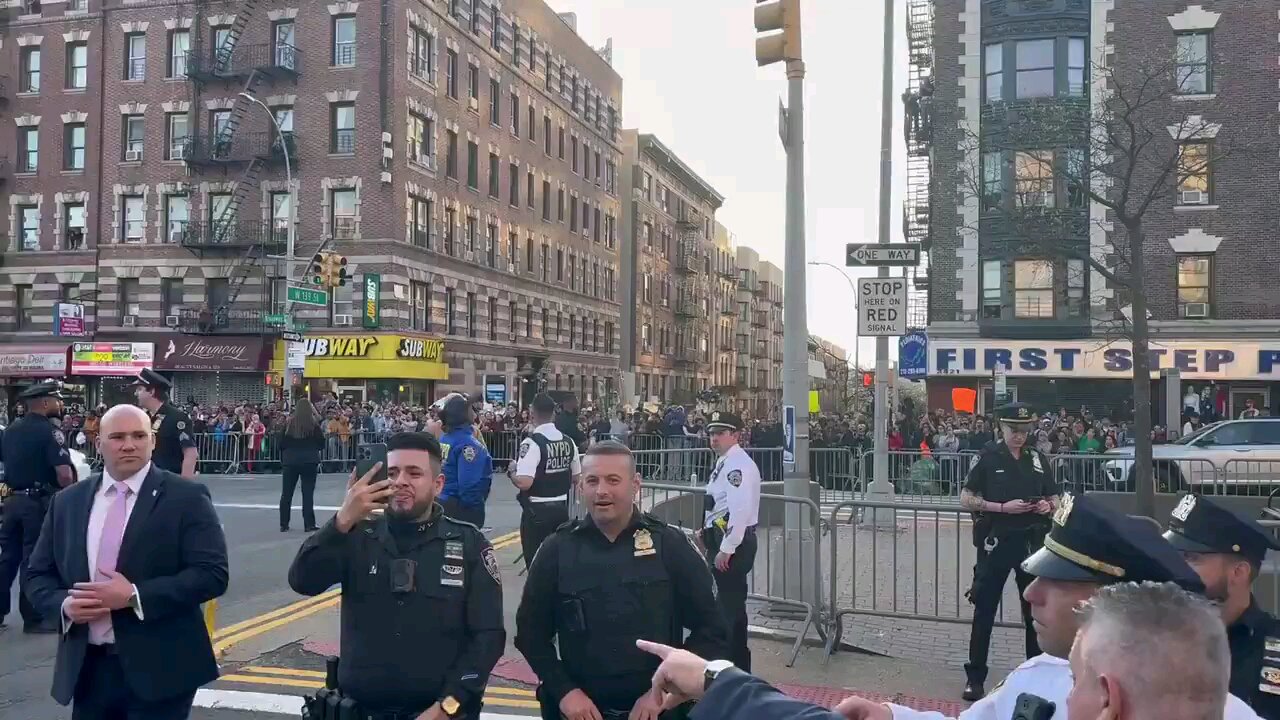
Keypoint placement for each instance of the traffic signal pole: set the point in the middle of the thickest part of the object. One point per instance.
(881, 418)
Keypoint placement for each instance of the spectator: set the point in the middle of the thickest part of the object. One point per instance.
(300, 448)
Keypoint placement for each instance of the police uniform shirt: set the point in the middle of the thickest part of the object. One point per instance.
(530, 457)
(173, 436)
(735, 487)
(32, 448)
(1254, 639)
(998, 477)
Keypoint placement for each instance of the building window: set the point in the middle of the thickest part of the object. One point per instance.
(423, 58)
(1034, 60)
(421, 140)
(474, 16)
(221, 48)
(451, 74)
(77, 66)
(513, 184)
(23, 300)
(128, 303)
(992, 180)
(1192, 60)
(493, 318)
(546, 135)
(30, 216)
(1195, 281)
(418, 319)
(1076, 177)
(1033, 178)
(285, 45)
(134, 213)
(344, 214)
(546, 266)
(515, 114)
(560, 204)
(179, 47)
(177, 128)
(29, 63)
(561, 143)
(135, 62)
(528, 321)
(495, 176)
(1076, 64)
(1077, 282)
(529, 189)
(170, 296)
(221, 219)
(573, 155)
(471, 314)
(491, 243)
(1033, 289)
(512, 312)
(344, 41)
(495, 103)
(73, 225)
(532, 126)
(450, 229)
(473, 83)
(134, 138)
(177, 213)
(451, 158)
(546, 200)
(573, 214)
(560, 265)
(343, 121)
(473, 165)
(1194, 174)
(450, 312)
(472, 225)
(73, 146)
(28, 149)
(421, 221)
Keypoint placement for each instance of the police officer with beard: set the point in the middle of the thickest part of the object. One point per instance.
(468, 469)
(546, 468)
(36, 465)
(422, 623)
(1014, 490)
(1227, 550)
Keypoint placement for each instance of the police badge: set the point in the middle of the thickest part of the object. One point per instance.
(644, 543)
(469, 453)
(1185, 506)
(1064, 509)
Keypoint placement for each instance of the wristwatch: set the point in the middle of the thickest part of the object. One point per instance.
(713, 670)
(451, 706)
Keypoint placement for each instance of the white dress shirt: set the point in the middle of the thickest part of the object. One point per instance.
(530, 455)
(735, 487)
(97, 521)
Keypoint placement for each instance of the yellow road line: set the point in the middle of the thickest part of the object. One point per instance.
(227, 642)
(504, 538)
(286, 610)
(492, 695)
(284, 671)
(518, 692)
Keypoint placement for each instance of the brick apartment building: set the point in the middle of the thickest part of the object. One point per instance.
(463, 155)
(829, 374)
(758, 373)
(1211, 250)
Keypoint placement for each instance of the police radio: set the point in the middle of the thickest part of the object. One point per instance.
(1032, 707)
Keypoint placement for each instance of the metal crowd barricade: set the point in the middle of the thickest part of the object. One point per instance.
(218, 452)
(835, 469)
(919, 567)
(503, 445)
(1253, 478)
(922, 474)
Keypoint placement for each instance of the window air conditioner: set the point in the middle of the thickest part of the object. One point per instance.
(511, 268)
(1194, 197)
(178, 151)
(133, 156)
(171, 321)
(474, 103)
(129, 321)
(1195, 310)
(341, 320)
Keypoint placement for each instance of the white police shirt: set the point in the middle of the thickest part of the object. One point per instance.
(530, 454)
(1048, 677)
(735, 487)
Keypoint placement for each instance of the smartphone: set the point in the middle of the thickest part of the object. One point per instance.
(366, 457)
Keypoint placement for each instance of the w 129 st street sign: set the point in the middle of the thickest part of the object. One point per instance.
(882, 306)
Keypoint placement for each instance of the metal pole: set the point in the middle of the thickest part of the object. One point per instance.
(288, 177)
(880, 465)
(795, 353)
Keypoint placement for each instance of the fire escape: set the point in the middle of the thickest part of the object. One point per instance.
(691, 308)
(916, 226)
(222, 151)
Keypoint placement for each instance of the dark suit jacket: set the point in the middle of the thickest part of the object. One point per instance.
(175, 553)
(736, 694)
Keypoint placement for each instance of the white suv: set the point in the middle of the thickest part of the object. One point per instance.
(1230, 453)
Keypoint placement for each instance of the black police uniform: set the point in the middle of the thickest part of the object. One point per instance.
(594, 598)
(31, 449)
(1201, 525)
(421, 611)
(999, 477)
(171, 426)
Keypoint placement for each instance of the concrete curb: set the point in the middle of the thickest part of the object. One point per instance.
(787, 636)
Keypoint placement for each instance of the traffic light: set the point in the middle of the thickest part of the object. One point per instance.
(317, 264)
(338, 275)
(772, 16)
(868, 379)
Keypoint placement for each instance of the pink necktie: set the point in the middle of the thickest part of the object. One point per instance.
(109, 551)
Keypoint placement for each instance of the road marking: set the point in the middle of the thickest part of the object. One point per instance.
(494, 699)
(317, 675)
(281, 704)
(227, 642)
(284, 671)
(287, 609)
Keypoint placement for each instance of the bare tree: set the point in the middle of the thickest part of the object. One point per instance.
(1092, 167)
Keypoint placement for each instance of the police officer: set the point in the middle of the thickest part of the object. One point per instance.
(175, 446)
(468, 469)
(1227, 550)
(547, 466)
(36, 465)
(1013, 488)
(733, 502)
(422, 594)
(601, 583)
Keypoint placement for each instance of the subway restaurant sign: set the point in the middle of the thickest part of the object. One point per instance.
(371, 308)
(374, 356)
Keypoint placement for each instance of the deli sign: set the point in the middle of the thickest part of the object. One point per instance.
(219, 354)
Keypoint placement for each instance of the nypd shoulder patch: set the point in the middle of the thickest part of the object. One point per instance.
(524, 448)
(469, 453)
(59, 437)
(735, 478)
(491, 565)
(182, 425)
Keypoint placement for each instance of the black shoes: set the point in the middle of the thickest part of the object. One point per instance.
(973, 692)
(284, 528)
(313, 528)
(40, 629)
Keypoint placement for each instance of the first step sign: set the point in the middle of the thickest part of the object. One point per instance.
(882, 306)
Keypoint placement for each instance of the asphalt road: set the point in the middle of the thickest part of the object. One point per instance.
(259, 557)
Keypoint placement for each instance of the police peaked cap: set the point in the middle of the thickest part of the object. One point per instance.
(151, 378)
(1015, 414)
(724, 420)
(1201, 525)
(48, 388)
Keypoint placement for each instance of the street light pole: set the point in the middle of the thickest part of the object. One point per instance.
(854, 289)
(290, 250)
(880, 464)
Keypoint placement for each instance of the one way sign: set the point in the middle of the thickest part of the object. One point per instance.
(882, 254)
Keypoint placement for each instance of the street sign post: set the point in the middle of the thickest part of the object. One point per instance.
(291, 336)
(882, 307)
(882, 255)
(307, 296)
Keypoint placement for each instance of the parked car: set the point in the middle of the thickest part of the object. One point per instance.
(1233, 456)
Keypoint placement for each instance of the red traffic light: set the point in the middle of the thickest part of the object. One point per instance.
(868, 379)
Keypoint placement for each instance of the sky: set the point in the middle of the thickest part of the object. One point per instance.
(690, 77)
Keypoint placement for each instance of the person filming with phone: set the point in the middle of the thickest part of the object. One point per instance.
(422, 623)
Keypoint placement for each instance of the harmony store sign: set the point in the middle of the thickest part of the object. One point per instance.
(1198, 360)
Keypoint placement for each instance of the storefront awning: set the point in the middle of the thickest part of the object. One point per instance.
(371, 357)
(33, 360)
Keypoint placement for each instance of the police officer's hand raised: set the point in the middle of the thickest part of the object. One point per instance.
(363, 497)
